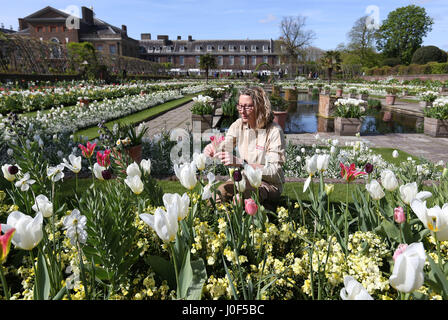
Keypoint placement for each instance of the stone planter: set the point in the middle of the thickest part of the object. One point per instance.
(280, 118)
(326, 105)
(347, 126)
(291, 95)
(425, 104)
(363, 96)
(201, 122)
(443, 89)
(353, 95)
(435, 127)
(310, 90)
(390, 99)
(327, 91)
(339, 92)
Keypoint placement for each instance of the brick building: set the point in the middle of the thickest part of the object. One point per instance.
(232, 56)
(50, 24)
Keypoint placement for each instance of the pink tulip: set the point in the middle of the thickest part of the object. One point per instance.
(250, 206)
(399, 215)
(5, 243)
(87, 152)
(103, 158)
(401, 248)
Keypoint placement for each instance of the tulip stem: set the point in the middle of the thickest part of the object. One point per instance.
(4, 284)
(439, 255)
(175, 269)
(346, 222)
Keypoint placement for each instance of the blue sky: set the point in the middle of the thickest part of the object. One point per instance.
(236, 19)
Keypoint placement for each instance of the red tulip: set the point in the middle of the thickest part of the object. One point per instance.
(5, 243)
(87, 152)
(103, 158)
(250, 206)
(350, 173)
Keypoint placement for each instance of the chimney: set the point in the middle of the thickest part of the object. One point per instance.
(125, 29)
(145, 36)
(179, 38)
(162, 37)
(87, 15)
(22, 24)
(190, 38)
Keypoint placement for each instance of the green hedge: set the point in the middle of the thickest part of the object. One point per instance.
(429, 68)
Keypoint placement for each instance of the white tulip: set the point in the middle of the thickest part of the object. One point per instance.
(55, 173)
(186, 174)
(75, 163)
(180, 203)
(43, 205)
(75, 224)
(135, 183)
(395, 154)
(199, 160)
(25, 182)
(6, 174)
(407, 275)
(435, 219)
(311, 164)
(254, 176)
(97, 171)
(408, 192)
(241, 185)
(206, 193)
(133, 170)
(322, 162)
(28, 230)
(353, 290)
(388, 180)
(146, 166)
(164, 223)
(375, 190)
(332, 149)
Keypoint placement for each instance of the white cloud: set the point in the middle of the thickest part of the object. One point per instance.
(268, 19)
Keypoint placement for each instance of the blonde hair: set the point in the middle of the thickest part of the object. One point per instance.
(262, 105)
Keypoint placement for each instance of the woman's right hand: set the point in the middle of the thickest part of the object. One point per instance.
(209, 150)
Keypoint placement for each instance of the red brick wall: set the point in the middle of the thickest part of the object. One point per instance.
(50, 31)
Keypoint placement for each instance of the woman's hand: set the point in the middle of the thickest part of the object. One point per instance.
(229, 160)
(209, 150)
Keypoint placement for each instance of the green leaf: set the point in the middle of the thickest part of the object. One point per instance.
(440, 277)
(235, 295)
(61, 293)
(163, 268)
(185, 277)
(42, 279)
(199, 277)
(391, 230)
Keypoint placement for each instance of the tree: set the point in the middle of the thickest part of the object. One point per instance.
(294, 38)
(331, 61)
(207, 62)
(362, 40)
(402, 33)
(427, 54)
(83, 58)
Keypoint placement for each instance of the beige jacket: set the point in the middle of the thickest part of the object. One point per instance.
(260, 146)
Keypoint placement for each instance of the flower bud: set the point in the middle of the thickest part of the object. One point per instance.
(329, 188)
(237, 176)
(368, 168)
(107, 175)
(250, 206)
(13, 169)
(399, 215)
(401, 248)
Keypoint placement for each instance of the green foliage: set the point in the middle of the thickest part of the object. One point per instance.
(427, 54)
(374, 103)
(391, 62)
(278, 103)
(207, 62)
(201, 108)
(402, 33)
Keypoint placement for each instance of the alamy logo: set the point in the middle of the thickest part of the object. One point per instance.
(72, 22)
(373, 18)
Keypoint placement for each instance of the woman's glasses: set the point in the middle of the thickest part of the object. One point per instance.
(241, 107)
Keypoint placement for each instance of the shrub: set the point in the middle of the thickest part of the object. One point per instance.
(391, 62)
(427, 54)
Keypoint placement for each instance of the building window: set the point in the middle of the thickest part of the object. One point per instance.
(220, 61)
(278, 61)
(39, 29)
(181, 49)
(181, 60)
(265, 48)
(232, 48)
(99, 48)
(242, 60)
(170, 59)
(157, 59)
(209, 48)
(253, 48)
(113, 49)
(243, 48)
(265, 59)
(168, 49)
(53, 29)
(220, 48)
(231, 60)
(157, 49)
(198, 48)
(254, 60)
(198, 59)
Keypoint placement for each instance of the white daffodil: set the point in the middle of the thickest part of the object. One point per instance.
(135, 183)
(75, 163)
(28, 230)
(43, 205)
(164, 223)
(75, 224)
(435, 219)
(133, 170)
(375, 190)
(55, 173)
(199, 160)
(181, 204)
(353, 290)
(407, 275)
(186, 174)
(146, 166)
(25, 183)
(254, 176)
